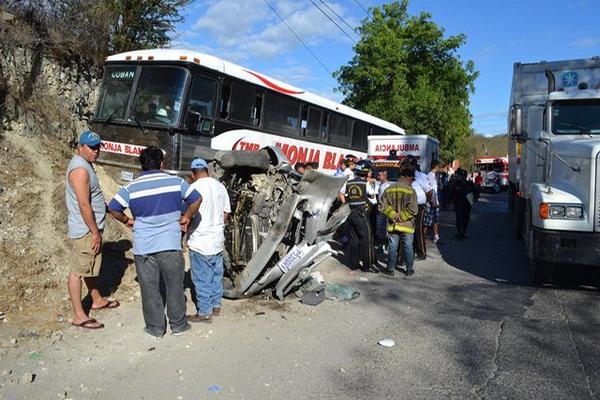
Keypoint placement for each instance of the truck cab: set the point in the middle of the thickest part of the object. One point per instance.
(554, 155)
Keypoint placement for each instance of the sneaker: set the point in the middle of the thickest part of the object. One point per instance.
(182, 331)
(387, 272)
(421, 258)
(371, 270)
(410, 272)
(146, 330)
(200, 318)
(216, 311)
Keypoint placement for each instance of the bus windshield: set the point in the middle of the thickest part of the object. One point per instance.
(116, 88)
(576, 117)
(158, 95)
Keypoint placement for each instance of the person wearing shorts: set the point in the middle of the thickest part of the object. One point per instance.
(432, 207)
(85, 223)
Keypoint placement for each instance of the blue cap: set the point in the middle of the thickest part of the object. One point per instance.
(90, 138)
(199, 163)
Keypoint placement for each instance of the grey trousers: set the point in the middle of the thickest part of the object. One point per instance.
(150, 268)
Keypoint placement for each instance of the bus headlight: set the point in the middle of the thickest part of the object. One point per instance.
(560, 211)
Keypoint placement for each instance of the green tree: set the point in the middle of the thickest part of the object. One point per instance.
(405, 71)
(142, 24)
(89, 30)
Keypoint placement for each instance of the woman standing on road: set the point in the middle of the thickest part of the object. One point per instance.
(463, 194)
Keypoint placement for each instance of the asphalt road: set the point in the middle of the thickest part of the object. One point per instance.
(467, 325)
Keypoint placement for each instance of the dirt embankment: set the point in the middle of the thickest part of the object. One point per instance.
(34, 250)
(37, 127)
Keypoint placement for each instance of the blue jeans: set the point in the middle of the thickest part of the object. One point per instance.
(207, 275)
(407, 244)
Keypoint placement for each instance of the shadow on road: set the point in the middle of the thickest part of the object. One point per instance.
(458, 336)
(493, 252)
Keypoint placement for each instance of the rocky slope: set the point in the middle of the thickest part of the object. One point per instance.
(37, 130)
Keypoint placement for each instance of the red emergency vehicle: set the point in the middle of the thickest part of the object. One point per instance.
(492, 173)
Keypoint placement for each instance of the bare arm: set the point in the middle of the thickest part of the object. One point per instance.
(122, 217)
(185, 219)
(80, 181)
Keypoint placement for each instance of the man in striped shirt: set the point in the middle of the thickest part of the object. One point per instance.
(155, 201)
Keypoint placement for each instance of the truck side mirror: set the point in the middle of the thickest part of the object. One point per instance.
(516, 118)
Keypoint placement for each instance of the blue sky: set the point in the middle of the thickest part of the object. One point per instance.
(499, 33)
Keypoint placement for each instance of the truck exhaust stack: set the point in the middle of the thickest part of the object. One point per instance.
(551, 81)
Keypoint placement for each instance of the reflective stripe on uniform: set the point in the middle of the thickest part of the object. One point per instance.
(399, 190)
(400, 228)
(389, 212)
(405, 215)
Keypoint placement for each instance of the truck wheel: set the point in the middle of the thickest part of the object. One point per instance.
(541, 271)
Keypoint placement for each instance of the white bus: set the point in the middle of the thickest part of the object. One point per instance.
(183, 101)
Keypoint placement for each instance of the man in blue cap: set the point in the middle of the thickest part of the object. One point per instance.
(87, 213)
(207, 242)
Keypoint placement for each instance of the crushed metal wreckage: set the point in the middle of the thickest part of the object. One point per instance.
(281, 222)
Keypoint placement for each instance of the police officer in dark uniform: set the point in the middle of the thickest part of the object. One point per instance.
(360, 245)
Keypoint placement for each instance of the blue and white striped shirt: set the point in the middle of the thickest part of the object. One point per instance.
(155, 200)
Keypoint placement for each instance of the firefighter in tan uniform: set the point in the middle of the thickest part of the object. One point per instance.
(400, 206)
(360, 245)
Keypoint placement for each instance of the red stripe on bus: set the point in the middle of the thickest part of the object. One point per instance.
(273, 85)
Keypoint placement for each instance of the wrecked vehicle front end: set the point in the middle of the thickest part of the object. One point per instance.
(281, 222)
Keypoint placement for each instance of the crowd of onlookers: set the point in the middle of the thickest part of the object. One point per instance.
(395, 209)
(390, 216)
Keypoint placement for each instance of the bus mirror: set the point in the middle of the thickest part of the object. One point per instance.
(193, 121)
(516, 117)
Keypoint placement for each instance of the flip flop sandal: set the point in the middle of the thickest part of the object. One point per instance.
(87, 324)
(110, 304)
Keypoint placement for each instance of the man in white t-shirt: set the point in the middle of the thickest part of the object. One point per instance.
(206, 242)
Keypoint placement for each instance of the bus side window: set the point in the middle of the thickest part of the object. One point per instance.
(225, 98)
(325, 126)
(359, 135)
(282, 114)
(340, 130)
(304, 120)
(313, 126)
(201, 103)
(379, 131)
(257, 109)
(242, 103)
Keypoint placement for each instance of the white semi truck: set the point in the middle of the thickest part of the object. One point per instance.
(554, 162)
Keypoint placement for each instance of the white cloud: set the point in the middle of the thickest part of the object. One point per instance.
(250, 26)
(586, 42)
(297, 75)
